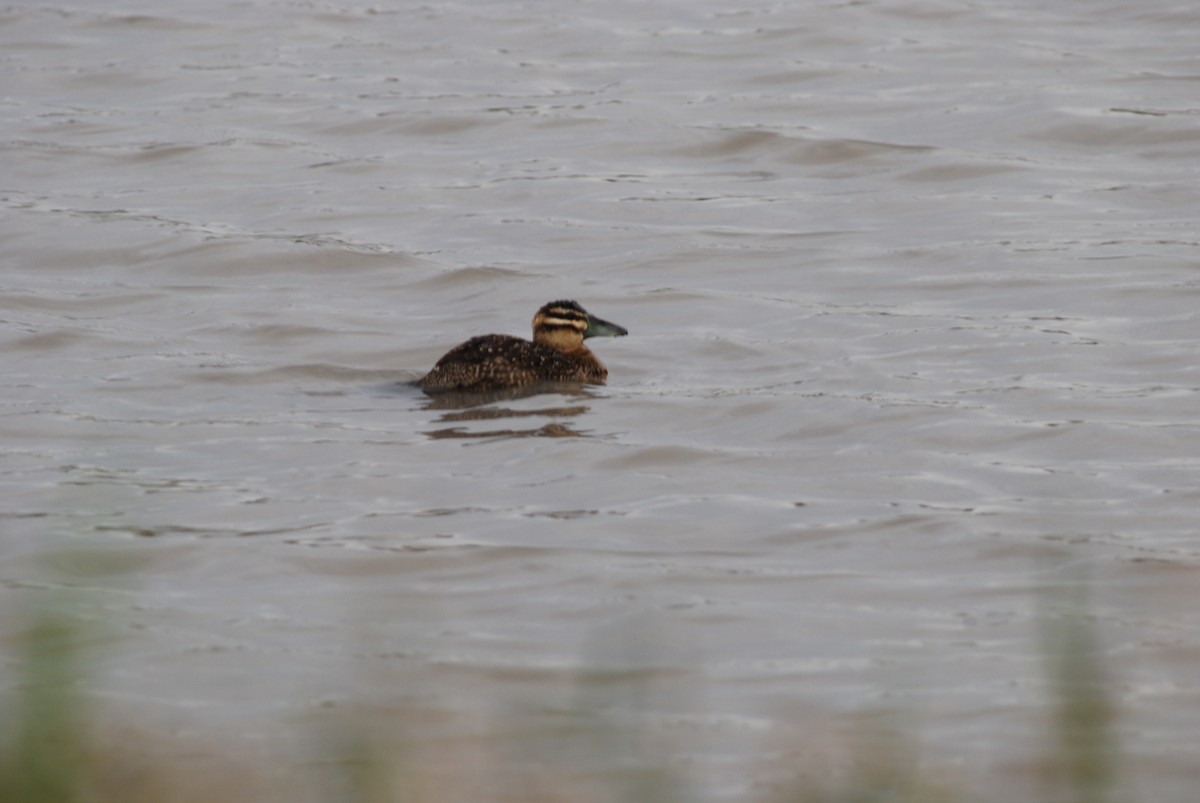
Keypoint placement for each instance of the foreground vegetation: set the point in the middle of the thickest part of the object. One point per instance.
(52, 750)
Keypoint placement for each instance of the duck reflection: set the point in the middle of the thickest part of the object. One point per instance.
(465, 407)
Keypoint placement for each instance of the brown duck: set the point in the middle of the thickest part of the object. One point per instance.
(557, 354)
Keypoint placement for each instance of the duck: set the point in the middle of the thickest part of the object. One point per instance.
(556, 354)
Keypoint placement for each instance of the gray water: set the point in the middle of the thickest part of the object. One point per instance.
(911, 290)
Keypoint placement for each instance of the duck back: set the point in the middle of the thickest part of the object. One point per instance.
(491, 362)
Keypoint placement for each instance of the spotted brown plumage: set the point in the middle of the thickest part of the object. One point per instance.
(556, 354)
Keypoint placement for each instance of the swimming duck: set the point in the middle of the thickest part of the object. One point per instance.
(557, 354)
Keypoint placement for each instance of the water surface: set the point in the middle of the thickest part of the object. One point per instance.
(911, 292)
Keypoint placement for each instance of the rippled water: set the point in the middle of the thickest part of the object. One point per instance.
(911, 290)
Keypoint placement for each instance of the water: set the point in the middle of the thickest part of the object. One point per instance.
(911, 292)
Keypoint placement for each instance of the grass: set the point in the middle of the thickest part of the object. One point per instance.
(1084, 756)
(52, 750)
(43, 747)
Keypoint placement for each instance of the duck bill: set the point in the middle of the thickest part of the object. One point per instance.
(600, 328)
